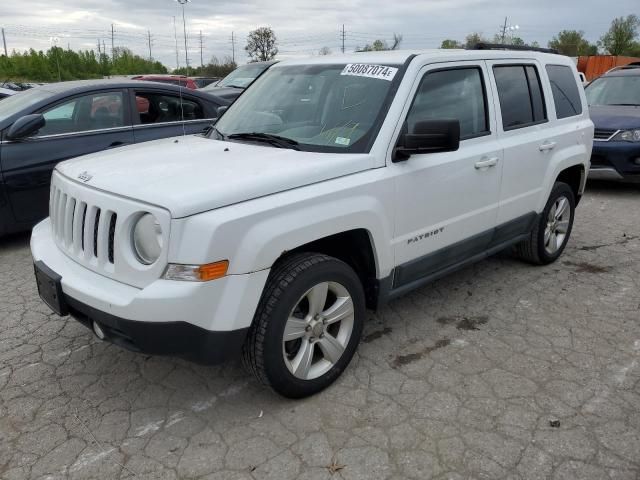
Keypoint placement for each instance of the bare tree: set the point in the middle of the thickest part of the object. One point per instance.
(324, 51)
(261, 44)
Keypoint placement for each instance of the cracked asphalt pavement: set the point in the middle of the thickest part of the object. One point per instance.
(502, 370)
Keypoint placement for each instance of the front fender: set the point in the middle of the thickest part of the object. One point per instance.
(252, 235)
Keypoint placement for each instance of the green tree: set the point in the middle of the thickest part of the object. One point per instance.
(215, 68)
(620, 39)
(473, 39)
(448, 43)
(572, 43)
(262, 44)
(381, 45)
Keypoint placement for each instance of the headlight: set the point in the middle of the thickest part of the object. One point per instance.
(628, 136)
(147, 239)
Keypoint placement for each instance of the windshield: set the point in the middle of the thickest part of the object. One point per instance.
(242, 76)
(21, 100)
(614, 91)
(321, 107)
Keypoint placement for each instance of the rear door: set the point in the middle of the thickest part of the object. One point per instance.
(158, 114)
(527, 136)
(74, 126)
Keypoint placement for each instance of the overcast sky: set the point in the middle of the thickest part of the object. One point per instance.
(302, 27)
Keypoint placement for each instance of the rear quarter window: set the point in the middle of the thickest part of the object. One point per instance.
(566, 95)
(520, 94)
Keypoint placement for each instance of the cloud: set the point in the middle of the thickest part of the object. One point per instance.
(302, 26)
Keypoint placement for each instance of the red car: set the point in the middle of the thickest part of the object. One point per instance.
(180, 80)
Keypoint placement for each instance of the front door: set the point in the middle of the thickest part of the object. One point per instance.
(447, 203)
(84, 124)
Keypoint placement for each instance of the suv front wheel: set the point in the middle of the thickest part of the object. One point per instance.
(307, 326)
(551, 233)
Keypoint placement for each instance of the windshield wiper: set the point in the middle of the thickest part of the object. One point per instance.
(234, 86)
(625, 104)
(277, 140)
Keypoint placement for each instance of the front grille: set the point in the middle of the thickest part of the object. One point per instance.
(603, 134)
(83, 229)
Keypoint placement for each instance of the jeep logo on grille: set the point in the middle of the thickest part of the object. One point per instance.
(85, 177)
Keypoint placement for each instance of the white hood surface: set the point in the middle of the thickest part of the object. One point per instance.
(189, 175)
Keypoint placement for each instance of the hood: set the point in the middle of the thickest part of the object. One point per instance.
(189, 175)
(228, 93)
(615, 117)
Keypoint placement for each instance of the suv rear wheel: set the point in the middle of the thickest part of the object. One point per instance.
(551, 233)
(307, 326)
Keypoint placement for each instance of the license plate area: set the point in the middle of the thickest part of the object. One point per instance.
(50, 288)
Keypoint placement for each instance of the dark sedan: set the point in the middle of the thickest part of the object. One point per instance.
(46, 125)
(614, 105)
(231, 86)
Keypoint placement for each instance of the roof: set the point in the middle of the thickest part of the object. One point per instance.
(624, 71)
(7, 91)
(398, 57)
(79, 86)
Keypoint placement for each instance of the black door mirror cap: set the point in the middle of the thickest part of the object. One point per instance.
(429, 136)
(26, 126)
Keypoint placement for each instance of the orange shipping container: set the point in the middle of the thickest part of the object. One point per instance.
(595, 65)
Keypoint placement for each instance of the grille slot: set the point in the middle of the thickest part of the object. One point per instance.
(84, 222)
(112, 235)
(96, 222)
(603, 134)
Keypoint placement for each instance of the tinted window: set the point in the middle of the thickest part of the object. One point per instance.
(452, 94)
(566, 96)
(90, 112)
(161, 108)
(520, 94)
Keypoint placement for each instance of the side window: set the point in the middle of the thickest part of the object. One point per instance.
(566, 96)
(520, 94)
(457, 94)
(90, 112)
(161, 108)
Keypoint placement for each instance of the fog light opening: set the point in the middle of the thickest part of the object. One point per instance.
(98, 331)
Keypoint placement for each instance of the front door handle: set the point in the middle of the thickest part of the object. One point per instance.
(546, 146)
(491, 162)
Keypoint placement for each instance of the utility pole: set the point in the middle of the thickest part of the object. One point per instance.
(504, 30)
(113, 48)
(233, 48)
(99, 52)
(201, 49)
(149, 38)
(175, 36)
(184, 27)
(343, 36)
(4, 41)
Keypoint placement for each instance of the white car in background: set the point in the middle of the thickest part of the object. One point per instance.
(6, 92)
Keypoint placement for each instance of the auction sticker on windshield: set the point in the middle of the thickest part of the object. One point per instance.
(381, 72)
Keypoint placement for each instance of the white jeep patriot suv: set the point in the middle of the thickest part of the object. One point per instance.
(332, 185)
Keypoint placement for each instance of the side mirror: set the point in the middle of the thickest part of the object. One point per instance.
(26, 126)
(429, 136)
(221, 110)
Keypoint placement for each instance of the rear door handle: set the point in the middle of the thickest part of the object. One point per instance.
(491, 162)
(546, 146)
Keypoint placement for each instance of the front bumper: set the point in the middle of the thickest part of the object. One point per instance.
(615, 161)
(183, 318)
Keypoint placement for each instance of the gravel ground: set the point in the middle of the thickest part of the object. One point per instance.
(502, 370)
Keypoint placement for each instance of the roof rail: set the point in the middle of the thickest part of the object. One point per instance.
(500, 46)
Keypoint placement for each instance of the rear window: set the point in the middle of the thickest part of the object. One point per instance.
(566, 96)
(520, 94)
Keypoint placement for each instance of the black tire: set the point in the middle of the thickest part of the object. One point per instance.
(290, 278)
(533, 249)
